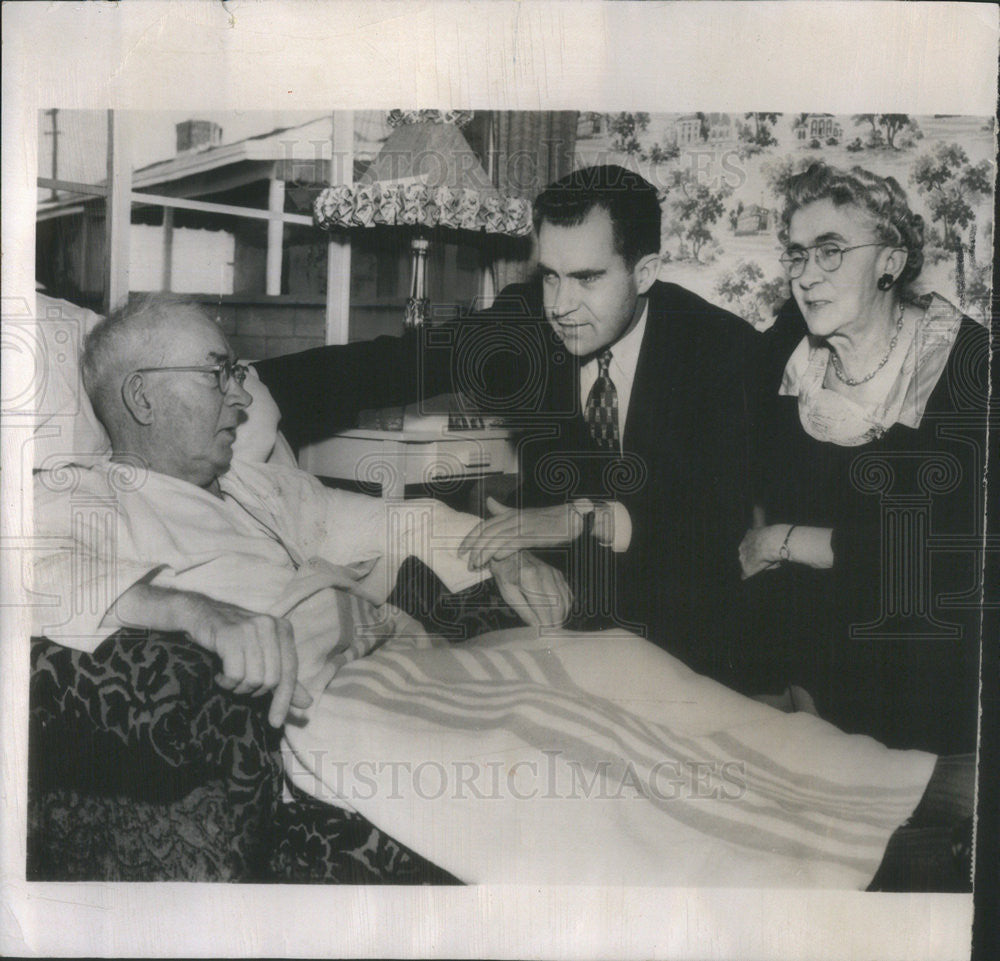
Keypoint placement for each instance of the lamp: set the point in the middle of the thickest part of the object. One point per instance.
(425, 176)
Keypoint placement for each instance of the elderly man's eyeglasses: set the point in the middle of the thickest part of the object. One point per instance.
(224, 372)
(829, 257)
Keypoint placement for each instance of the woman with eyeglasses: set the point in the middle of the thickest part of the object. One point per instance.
(863, 568)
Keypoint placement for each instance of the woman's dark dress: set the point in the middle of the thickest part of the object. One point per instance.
(887, 642)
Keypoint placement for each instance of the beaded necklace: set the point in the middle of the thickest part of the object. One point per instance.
(850, 381)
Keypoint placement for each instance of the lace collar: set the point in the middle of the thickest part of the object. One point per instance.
(830, 416)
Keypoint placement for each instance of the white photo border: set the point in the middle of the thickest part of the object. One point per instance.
(845, 56)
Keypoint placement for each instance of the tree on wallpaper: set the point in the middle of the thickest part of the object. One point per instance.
(756, 136)
(953, 188)
(885, 128)
(625, 126)
(693, 211)
(745, 292)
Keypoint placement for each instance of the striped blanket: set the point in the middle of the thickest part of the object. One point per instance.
(595, 759)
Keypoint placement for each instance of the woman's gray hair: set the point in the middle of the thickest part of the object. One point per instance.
(881, 197)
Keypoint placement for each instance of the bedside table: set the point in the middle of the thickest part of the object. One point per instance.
(395, 459)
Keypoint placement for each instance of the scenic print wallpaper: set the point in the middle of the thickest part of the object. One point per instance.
(721, 175)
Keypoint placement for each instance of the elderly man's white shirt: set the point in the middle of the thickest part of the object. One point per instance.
(100, 531)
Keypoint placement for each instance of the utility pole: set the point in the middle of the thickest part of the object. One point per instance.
(54, 113)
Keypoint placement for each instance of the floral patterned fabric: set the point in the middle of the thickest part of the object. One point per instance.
(320, 844)
(142, 769)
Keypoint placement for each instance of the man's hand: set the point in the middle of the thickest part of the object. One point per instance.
(510, 531)
(257, 650)
(536, 591)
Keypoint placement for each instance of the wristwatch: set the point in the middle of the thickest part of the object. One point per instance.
(583, 507)
(588, 510)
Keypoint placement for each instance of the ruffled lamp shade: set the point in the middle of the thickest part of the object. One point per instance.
(425, 176)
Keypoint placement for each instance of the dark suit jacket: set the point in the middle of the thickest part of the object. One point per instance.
(887, 640)
(684, 474)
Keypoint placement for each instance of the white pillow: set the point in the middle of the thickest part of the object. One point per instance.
(256, 436)
(66, 428)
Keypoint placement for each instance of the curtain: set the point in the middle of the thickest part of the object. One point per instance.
(530, 149)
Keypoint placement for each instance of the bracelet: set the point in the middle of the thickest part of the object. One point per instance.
(783, 552)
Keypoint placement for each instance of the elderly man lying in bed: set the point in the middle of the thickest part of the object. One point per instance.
(223, 552)
(532, 755)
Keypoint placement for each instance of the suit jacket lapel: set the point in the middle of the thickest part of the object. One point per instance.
(648, 419)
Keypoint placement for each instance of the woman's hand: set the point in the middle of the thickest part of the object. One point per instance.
(760, 548)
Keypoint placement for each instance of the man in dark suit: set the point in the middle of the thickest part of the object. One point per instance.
(634, 403)
(646, 447)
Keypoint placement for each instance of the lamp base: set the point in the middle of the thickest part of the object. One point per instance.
(418, 310)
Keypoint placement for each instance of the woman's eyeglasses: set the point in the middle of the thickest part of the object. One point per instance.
(829, 257)
(225, 372)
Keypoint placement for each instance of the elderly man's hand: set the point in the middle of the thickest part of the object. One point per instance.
(511, 530)
(257, 651)
(536, 591)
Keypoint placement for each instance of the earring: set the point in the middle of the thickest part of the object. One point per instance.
(885, 281)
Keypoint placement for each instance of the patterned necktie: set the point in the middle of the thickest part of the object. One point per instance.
(601, 412)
